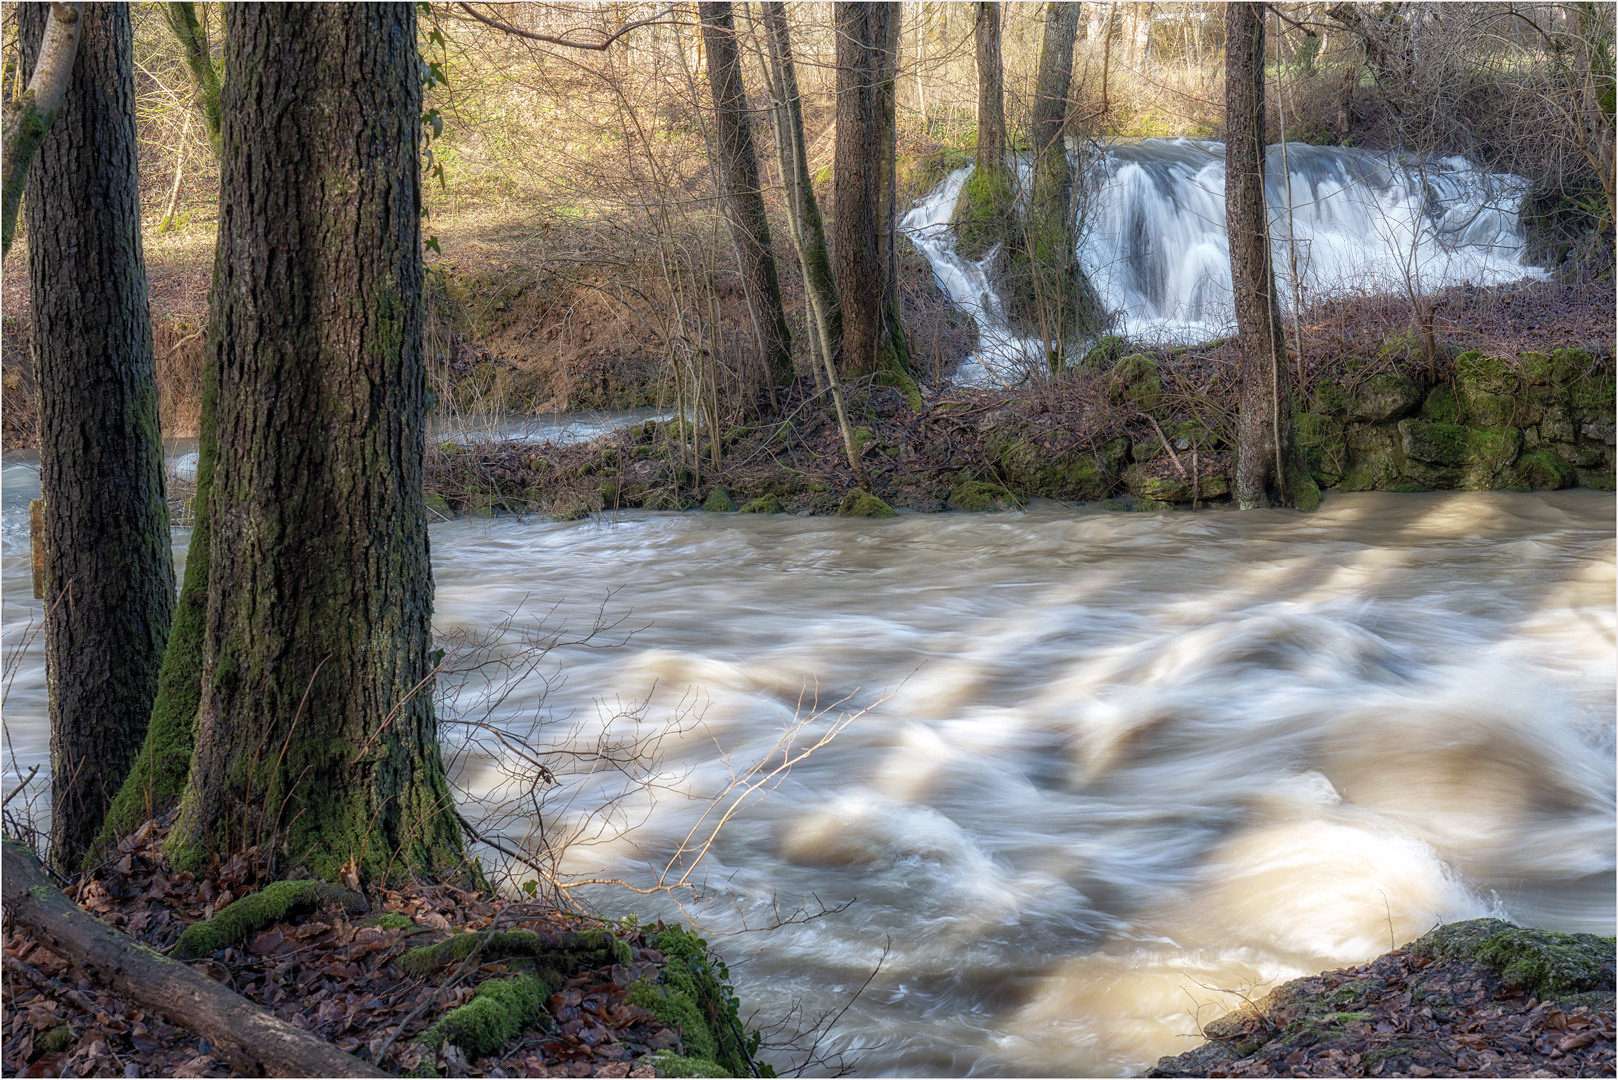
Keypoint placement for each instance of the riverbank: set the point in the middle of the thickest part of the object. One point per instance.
(1476, 998)
(392, 978)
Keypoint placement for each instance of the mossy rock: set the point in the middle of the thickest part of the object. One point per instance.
(1541, 470)
(1556, 367)
(497, 1013)
(437, 504)
(279, 901)
(1148, 486)
(389, 920)
(1382, 398)
(1324, 446)
(1435, 443)
(670, 1064)
(599, 945)
(977, 496)
(1491, 374)
(1135, 381)
(985, 212)
(1075, 476)
(1441, 405)
(1375, 457)
(1104, 353)
(1546, 964)
(573, 510)
(1149, 506)
(865, 505)
(764, 504)
(1480, 408)
(719, 502)
(1329, 399)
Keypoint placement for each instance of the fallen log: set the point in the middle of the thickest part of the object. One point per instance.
(256, 1042)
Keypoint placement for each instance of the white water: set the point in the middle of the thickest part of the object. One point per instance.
(1155, 244)
(1116, 766)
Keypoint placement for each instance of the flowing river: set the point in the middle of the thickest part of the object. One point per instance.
(1104, 772)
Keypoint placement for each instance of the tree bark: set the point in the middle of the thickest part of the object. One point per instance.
(248, 1035)
(991, 151)
(29, 117)
(744, 202)
(873, 340)
(1268, 469)
(182, 20)
(109, 569)
(801, 190)
(315, 728)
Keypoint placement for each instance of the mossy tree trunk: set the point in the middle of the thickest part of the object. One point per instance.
(193, 39)
(1050, 294)
(29, 114)
(1269, 468)
(315, 727)
(795, 165)
(873, 338)
(744, 202)
(109, 570)
(985, 212)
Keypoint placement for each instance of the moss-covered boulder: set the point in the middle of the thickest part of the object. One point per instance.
(1324, 446)
(1159, 485)
(497, 1013)
(977, 496)
(1072, 475)
(1135, 380)
(864, 505)
(1382, 398)
(1541, 470)
(280, 901)
(719, 502)
(764, 504)
(1374, 457)
(1546, 964)
(1433, 443)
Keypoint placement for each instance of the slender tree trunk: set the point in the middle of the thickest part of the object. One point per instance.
(801, 191)
(182, 19)
(1268, 469)
(872, 336)
(749, 227)
(991, 153)
(109, 570)
(315, 728)
(29, 116)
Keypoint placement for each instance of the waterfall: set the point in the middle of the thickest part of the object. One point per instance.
(1153, 238)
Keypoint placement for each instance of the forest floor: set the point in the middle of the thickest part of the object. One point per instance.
(336, 977)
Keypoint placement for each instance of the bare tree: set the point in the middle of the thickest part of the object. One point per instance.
(1268, 466)
(749, 227)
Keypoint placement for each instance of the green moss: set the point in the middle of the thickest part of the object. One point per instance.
(764, 504)
(1135, 381)
(1438, 443)
(1541, 470)
(1104, 353)
(1329, 399)
(277, 902)
(1037, 471)
(571, 511)
(54, 1041)
(1325, 449)
(977, 496)
(1558, 367)
(1491, 374)
(499, 1011)
(437, 504)
(670, 1064)
(389, 920)
(1546, 964)
(1305, 494)
(1441, 405)
(984, 212)
(864, 504)
(598, 945)
(1152, 505)
(719, 502)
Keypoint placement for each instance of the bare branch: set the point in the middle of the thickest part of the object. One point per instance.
(548, 40)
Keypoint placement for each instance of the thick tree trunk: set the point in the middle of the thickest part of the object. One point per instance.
(873, 338)
(1267, 464)
(254, 1040)
(109, 569)
(801, 190)
(315, 728)
(744, 202)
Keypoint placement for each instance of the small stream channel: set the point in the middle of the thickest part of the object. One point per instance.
(1112, 769)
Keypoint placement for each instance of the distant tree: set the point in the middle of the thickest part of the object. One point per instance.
(991, 148)
(985, 212)
(1269, 469)
(109, 570)
(193, 39)
(744, 202)
(315, 727)
(873, 338)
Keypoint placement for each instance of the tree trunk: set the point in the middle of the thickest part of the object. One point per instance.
(744, 203)
(991, 152)
(315, 729)
(182, 20)
(1268, 469)
(109, 569)
(873, 338)
(801, 191)
(51, 54)
(1050, 293)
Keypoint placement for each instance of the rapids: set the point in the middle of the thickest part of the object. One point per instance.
(1153, 238)
(1109, 770)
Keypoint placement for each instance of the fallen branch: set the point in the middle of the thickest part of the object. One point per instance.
(256, 1042)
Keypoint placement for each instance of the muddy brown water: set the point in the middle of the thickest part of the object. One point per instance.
(1108, 771)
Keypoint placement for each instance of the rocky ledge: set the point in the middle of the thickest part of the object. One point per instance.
(1477, 998)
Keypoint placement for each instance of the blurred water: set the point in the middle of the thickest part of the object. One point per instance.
(1113, 767)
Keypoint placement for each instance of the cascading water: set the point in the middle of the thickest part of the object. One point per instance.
(1154, 243)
